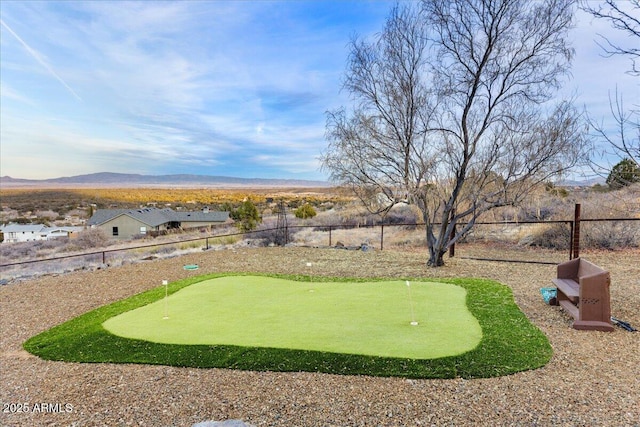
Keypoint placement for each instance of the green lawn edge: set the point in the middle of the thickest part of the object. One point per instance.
(510, 342)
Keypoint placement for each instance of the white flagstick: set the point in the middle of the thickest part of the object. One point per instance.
(309, 265)
(166, 295)
(413, 319)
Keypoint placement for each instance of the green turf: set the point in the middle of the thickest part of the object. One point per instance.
(509, 343)
(371, 318)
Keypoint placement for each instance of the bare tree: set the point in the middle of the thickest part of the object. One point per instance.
(451, 111)
(622, 139)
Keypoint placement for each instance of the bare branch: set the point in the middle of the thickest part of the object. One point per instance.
(619, 140)
(626, 21)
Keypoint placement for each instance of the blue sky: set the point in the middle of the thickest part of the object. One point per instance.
(235, 88)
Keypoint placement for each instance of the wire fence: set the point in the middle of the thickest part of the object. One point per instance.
(350, 236)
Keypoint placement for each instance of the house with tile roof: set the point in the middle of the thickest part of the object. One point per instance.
(128, 223)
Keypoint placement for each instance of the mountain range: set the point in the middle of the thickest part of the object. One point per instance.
(111, 179)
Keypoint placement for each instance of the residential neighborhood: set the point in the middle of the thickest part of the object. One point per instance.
(120, 224)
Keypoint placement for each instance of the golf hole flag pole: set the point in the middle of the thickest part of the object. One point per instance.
(413, 319)
(166, 296)
(309, 265)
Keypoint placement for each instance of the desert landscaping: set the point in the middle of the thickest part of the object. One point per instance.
(593, 377)
(320, 213)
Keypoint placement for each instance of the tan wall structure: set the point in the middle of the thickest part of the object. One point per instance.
(129, 223)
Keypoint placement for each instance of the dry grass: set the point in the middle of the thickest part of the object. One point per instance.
(592, 379)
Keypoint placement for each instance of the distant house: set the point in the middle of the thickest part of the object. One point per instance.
(14, 233)
(55, 232)
(128, 223)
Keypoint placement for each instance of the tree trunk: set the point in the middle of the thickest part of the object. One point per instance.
(436, 251)
(436, 258)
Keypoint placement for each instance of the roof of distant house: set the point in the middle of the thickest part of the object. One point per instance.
(64, 229)
(154, 217)
(199, 216)
(36, 228)
(23, 228)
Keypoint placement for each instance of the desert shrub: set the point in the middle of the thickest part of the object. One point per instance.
(305, 211)
(194, 244)
(402, 214)
(537, 214)
(47, 214)
(90, 239)
(161, 250)
(495, 233)
(246, 216)
(225, 230)
(20, 251)
(224, 240)
(610, 234)
(354, 221)
(623, 174)
(402, 237)
(621, 203)
(326, 206)
(599, 188)
(553, 236)
(137, 237)
(50, 244)
(324, 219)
(550, 187)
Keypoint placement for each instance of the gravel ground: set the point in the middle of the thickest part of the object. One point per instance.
(593, 378)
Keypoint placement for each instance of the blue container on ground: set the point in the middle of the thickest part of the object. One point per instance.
(548, 293)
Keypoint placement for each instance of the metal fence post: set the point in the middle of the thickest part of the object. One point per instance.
(329, 235)
(570, 239)
(382, 237)
(576, 232)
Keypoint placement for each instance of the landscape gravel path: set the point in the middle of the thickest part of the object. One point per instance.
(593, 378)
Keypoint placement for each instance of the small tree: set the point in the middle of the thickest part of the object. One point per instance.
(246, 216)
(624, 173)
(305, 211)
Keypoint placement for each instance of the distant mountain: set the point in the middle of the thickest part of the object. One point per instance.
(180, 180)
(110, 179)
(581, 183)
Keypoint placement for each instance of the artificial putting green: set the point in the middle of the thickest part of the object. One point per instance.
(509, 343)
(370, 318)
